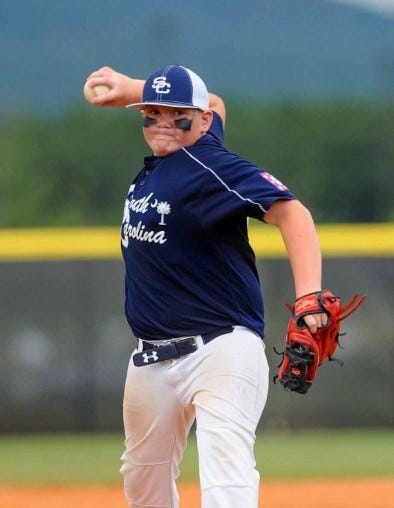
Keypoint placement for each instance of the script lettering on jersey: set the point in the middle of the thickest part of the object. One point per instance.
(138, 232)
(142, 206)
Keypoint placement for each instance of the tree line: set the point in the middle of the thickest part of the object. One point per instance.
(75, 168)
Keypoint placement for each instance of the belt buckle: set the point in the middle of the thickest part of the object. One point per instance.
(194, 342)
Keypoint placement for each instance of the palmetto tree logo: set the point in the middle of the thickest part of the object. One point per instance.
(163, 208)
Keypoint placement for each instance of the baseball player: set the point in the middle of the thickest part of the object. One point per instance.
(193, 296)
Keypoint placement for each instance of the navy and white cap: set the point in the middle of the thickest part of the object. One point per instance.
(174, 86)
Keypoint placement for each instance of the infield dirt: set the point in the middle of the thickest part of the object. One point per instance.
(360, 493)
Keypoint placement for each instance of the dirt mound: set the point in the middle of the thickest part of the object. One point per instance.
(360, 493)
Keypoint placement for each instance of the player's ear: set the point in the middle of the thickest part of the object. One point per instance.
(206, 120)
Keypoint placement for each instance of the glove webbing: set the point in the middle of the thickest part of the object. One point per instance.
(300, 356)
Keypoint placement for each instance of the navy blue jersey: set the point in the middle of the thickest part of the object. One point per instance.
(189, 266)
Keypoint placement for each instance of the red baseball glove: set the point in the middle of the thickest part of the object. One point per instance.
(304, 351)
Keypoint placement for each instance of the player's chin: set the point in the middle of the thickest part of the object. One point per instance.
(162, 149)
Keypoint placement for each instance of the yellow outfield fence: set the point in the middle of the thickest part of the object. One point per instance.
(41, 244)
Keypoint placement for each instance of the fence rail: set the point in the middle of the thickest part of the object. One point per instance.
(41, 244)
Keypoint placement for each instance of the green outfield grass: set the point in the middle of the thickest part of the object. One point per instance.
(94, 458)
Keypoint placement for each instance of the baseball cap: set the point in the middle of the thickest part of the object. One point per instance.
(174, 86)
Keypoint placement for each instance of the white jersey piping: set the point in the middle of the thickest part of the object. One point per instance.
(224, 183)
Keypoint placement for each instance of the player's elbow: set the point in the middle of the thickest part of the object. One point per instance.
(217, 104)
(285, 210)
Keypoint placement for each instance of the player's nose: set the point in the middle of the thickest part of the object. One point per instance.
(165, 124)
(166, 119)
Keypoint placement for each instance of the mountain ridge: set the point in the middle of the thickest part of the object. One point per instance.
(258, 50)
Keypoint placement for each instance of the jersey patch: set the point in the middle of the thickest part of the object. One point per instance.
(274, 181)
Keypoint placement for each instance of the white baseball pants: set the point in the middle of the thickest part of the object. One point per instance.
(223, 385)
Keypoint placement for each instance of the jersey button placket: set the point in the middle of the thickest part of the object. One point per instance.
(147, 173)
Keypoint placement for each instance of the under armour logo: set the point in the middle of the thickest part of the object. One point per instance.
(154, 357)
(161, 85)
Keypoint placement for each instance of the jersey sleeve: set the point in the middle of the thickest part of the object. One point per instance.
(237, 187)
(217, 129)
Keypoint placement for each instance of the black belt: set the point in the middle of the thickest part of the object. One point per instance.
(174, 349)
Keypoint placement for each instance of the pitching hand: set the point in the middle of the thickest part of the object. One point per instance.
(122, 89)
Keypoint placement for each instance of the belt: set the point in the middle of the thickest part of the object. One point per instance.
(174, 349)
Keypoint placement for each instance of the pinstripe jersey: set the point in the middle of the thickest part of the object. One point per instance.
(189, 266)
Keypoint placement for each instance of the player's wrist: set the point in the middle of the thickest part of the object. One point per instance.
(304, 294)
(133, 90)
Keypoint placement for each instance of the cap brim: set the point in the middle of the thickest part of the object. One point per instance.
(139, 105)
